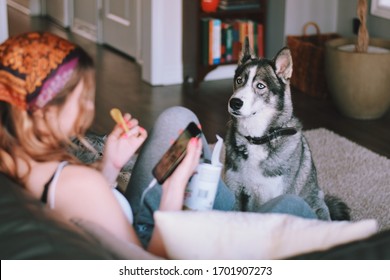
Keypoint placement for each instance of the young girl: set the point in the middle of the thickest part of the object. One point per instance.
(46, 97)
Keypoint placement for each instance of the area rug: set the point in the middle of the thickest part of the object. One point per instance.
(355, 174)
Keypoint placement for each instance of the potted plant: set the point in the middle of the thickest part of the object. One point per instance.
(358, 72)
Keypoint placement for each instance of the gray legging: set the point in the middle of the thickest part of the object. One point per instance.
(167, 128)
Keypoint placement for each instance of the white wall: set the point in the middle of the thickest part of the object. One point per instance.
(3, 20)
(299, 12)
(59, 11)
(162, 30)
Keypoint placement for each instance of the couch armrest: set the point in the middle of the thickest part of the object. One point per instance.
(375, 247)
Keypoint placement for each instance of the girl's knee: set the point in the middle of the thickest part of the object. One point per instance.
(289, 204)
(178, 113)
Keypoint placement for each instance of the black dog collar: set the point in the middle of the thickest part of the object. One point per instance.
(273, 134)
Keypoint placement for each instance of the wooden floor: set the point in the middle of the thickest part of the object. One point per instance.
(119, 84)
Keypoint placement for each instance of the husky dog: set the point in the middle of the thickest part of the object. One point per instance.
(266, 152)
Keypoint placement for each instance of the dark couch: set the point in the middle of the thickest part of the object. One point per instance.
(28, 230)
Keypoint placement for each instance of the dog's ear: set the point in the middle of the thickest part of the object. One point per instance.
(246, 53)
(284, 64)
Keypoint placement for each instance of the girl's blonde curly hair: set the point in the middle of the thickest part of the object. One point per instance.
(20, 137)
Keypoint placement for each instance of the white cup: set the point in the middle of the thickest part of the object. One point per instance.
(202, 188)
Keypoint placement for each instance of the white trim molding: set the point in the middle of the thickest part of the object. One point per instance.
(17, 6)
(162, 42)
(381, 8)
(84, 29)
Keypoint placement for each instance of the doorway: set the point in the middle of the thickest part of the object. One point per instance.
(115, 23)
(120, 25)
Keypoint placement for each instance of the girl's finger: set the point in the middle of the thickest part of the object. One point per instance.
(129, 119)
(193, 153)
(137, 131)
(131, 132)
(127, 116)
(142, 132)
(117, 131)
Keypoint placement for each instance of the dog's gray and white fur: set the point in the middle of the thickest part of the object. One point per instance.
(261, 104)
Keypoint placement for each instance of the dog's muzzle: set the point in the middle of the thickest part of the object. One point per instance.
(236, 104)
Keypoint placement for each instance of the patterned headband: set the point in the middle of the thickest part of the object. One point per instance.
(34, 68)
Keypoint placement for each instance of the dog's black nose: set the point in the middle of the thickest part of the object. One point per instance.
(236, 103)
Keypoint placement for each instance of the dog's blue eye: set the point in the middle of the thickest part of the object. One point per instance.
(260, 86)
(239, 80)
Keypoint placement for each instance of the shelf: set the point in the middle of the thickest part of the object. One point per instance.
(193, 68)
(233, 13)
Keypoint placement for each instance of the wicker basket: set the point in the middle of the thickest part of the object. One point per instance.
(308, 54)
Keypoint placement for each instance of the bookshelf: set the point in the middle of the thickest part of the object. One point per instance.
(195, 64)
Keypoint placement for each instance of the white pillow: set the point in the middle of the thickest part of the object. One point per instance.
(243, 235)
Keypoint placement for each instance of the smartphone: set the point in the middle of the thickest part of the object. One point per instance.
(175, 154)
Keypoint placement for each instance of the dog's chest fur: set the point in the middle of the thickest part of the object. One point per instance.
(248, 174)
(251, 178)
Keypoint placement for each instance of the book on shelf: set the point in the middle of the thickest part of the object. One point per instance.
(226, 42)
(211, 35)
(260, 40)
(216, 41)
(222, 40)
(204, 30)
(211, 41)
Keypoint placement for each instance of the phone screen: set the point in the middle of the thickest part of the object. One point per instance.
(175, 154)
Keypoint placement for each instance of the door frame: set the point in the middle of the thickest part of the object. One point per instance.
(68, 11)
(83, 28)
(99, 25)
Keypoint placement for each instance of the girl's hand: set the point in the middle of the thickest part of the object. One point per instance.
(173, 190)
(120, 146)
(174, 187)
